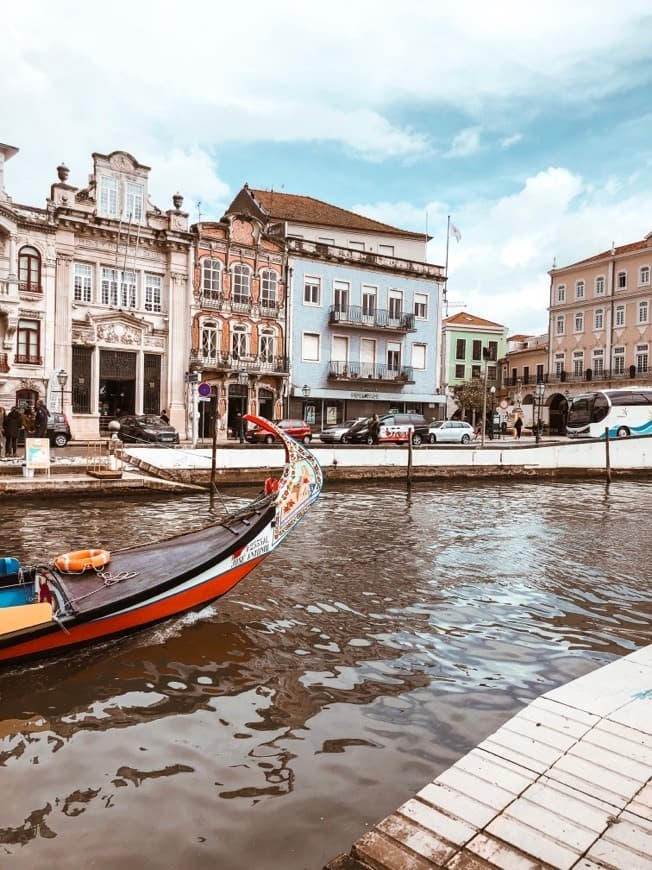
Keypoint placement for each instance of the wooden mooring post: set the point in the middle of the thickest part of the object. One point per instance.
(607, 458)
(409, 462)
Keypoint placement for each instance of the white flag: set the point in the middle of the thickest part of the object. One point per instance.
(456, 232)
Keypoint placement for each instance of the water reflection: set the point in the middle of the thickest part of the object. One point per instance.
(391, 632)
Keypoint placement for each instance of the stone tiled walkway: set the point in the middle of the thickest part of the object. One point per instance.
(566, 783)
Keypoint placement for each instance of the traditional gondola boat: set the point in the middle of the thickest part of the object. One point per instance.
(82, 597)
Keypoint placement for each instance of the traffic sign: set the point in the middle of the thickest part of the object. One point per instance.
(204, 389)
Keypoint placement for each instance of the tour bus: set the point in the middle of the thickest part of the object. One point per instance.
(624, 412)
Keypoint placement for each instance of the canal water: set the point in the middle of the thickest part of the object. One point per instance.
(389, 634)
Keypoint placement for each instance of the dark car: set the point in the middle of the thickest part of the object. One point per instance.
(297, 429)
(148, 428)
(58, 431)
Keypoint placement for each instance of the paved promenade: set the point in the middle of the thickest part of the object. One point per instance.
(566, 783)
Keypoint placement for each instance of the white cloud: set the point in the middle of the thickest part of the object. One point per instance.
(509, 141)
(466, 142)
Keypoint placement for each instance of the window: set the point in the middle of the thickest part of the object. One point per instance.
(209, 339)
(29, 342)
(341, 296)
(514, 376)
(578, 363)
(460, 348)
(393, 359)
(559, 326)
(644, 275)
(340, 349)
(211, 278)
(620, 315)
(267, 345)
(128, 290)
(310, 347)
(325, 241)
(419, 356)
(641, 358)
(598, 318)
(108, 200)
(109, 287)
(386, 250)
(460, 372)
(368, 303)
(134, 202)
(476, 352)
(561, 293)
(599, 285)
(492, 373)
(493, 350)
(526, 374)
(621, 281)
(643, 309)
(579, 290)
(598, 363)
(311, 291)
(153, 293)
(29, 269)
(356, 246)
(241, 284)
(421, 306)
(83, 283)
(268, 288)
(238, 341)
(395, 304)
(475, 371)
(619, 360)
(579, 321)
(559, 364)
(539, 373)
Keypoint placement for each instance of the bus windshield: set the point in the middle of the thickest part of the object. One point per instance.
(587, 409)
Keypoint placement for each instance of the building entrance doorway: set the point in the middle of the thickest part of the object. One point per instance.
(117, 398)
(266, 404)
(238, 395)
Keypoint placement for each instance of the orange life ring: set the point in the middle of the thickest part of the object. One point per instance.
(82, 560)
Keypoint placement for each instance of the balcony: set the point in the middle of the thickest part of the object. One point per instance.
(269, 309)
(241, 303)
(29, 287)
(228, 362)
(630, 375)
(25, 359)
(381, 318)
(213, 301)
(4, 363)
(374, 372)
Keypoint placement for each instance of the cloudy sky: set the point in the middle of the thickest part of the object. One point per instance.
(529, 123)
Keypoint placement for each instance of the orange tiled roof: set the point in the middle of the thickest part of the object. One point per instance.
(464, 319)
(618, 251)
(305, 209)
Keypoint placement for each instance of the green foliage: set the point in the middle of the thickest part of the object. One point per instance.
(469, 395)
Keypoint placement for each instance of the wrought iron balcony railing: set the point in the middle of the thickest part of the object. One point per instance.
(628, 373)
(26, 359)
(380, 318)
(29, 287)
(227, 362)
(360, 371)
(212, 300)
(4, 363)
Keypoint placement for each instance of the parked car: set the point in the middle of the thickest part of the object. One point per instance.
(338, 433)
(446, 431)
(394, 429)
(297, 429)
(147, 428)
(58, 431)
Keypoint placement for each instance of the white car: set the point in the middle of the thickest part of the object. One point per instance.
(337, 434)
(450, 431)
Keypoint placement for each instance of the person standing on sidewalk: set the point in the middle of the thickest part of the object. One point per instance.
(518, 425)
(12, 426)
(2, 433)
(41, 421)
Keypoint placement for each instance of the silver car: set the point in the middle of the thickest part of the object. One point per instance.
(450, 432)
(337, 434)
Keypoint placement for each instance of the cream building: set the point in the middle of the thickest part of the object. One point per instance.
(120, 298)
(27, 278)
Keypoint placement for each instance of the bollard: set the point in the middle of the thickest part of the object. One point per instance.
(607, 459)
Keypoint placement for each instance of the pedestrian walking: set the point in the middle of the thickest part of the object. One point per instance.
(3, 440)
(374, 429)
(239, 427)
(41, 420)
(518, 425)
(12, 426)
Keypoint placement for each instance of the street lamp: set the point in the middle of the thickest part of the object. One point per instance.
(62, 377)
(492, 390)
(305, 389)
(541, 388)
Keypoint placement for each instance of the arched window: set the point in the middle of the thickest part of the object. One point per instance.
(209, 340)
(266, 352)
(238, 341)
(29, 269)
(268, 288)
(211, 279)
(241, 293)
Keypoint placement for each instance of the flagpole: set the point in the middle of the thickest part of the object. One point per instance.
(448, 236)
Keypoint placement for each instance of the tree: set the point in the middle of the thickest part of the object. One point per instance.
(469, 396)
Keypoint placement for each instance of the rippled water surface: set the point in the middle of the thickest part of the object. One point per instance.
(389, 634)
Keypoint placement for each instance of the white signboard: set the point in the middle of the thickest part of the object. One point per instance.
(37, 453)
